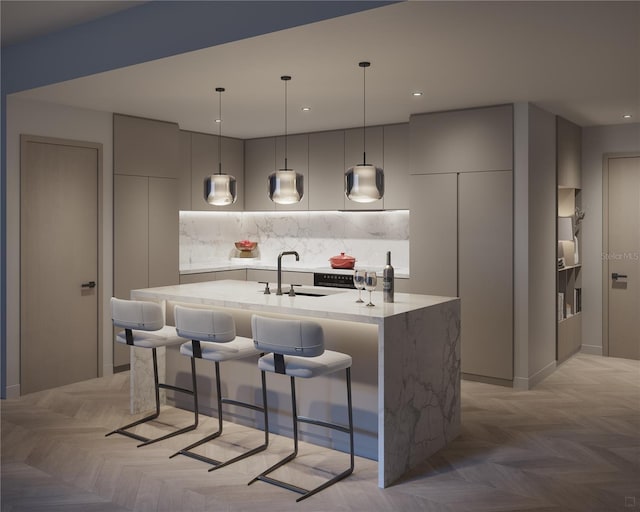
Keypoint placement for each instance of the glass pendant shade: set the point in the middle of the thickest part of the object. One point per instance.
(220, 189)
(364, 183)
(286, 186)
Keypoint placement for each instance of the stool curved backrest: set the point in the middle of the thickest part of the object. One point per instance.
(136, 314)
(288, 337)
(204, 324)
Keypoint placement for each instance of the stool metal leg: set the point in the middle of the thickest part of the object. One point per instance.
(222, 400)
(296, 419)
(158, 385)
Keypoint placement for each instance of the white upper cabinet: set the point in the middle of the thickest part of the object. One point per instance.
(478, 139)
(325, 188)
(353, 154)
(396, 167)
(298, 160)
(145, 147)
(259, 162)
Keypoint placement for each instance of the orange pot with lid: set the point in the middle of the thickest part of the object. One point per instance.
(342, 261)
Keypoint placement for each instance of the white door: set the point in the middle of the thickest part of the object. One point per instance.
(59, 264)
(623, 257)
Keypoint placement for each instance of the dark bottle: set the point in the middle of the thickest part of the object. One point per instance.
(387, 280)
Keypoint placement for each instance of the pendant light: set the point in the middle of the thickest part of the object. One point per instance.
(364, 183)
(220, 189)
(286, 186)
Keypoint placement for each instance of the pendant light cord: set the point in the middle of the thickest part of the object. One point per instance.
(220, 90)
(364, 65)
(285, 79)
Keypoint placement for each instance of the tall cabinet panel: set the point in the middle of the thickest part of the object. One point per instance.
(485, 256)
(260, 161)
(471, 140)
(163, 232)
(147, 167)
(297, 147)
(326, 171)
(396, 167)
(184, 171)
(353, 154)
(434, 234)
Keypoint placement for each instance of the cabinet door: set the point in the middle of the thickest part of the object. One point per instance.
(260, 161)
(569, 153)
(353, 154)
(145, 147)
(297, 159)
(479, 139)
(163, 232)
(485, 255)
(204, 162)
(326, 171)
(396, 167)
(233, 163)
(433, 225)
(130, 243)
(184, 172)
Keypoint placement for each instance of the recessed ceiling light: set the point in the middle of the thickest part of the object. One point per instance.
(306, 109)
(218, 120)
(416, 93)
(627, 116)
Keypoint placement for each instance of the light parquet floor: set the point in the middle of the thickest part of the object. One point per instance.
(571, 444)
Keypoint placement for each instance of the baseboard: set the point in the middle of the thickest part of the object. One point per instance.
(13, 391)
(487, 380)
(535, 379)
(594, 350)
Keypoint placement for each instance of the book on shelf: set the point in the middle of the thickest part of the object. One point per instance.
(561, 310)
(577, 300)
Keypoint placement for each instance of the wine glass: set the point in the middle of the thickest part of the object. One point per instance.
(358, 281)
(370, 283)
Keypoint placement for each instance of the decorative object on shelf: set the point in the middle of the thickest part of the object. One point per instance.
(364, 183)
(220, 189)
(342, 261)
(565, 229)
(560, 263)
(286, 186)
(246, 248)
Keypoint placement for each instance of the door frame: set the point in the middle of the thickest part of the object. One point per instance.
(605, 243)
(24, 140)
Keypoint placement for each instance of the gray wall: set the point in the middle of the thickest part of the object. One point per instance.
(596, 142)
(534, 244)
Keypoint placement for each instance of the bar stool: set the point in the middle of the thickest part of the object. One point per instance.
(143, 324)
(213, 338)
(297, 348)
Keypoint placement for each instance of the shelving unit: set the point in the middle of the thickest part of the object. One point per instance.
(569, 277)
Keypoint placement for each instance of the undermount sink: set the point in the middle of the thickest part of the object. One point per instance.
(307, 291)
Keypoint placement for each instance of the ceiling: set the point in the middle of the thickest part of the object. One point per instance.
(25, 19)
(577, 59)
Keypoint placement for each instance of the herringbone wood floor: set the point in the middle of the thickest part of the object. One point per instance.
(571, 444)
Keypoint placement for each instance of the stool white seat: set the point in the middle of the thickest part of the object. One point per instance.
(297, 350)
(143, 324)
(213, 338)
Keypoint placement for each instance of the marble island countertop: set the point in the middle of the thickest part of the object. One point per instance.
(335, 303)
(290, 266)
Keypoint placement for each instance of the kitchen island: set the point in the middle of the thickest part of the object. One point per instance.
(406, 366)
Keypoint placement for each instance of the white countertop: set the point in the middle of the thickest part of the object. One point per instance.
(338, 304)
(252, 264)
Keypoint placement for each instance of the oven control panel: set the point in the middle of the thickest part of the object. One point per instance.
(333, 280)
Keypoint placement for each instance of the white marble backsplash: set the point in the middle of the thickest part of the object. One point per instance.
(207, 238)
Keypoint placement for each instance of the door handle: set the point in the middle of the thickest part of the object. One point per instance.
(90, 284)
(615, 276)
